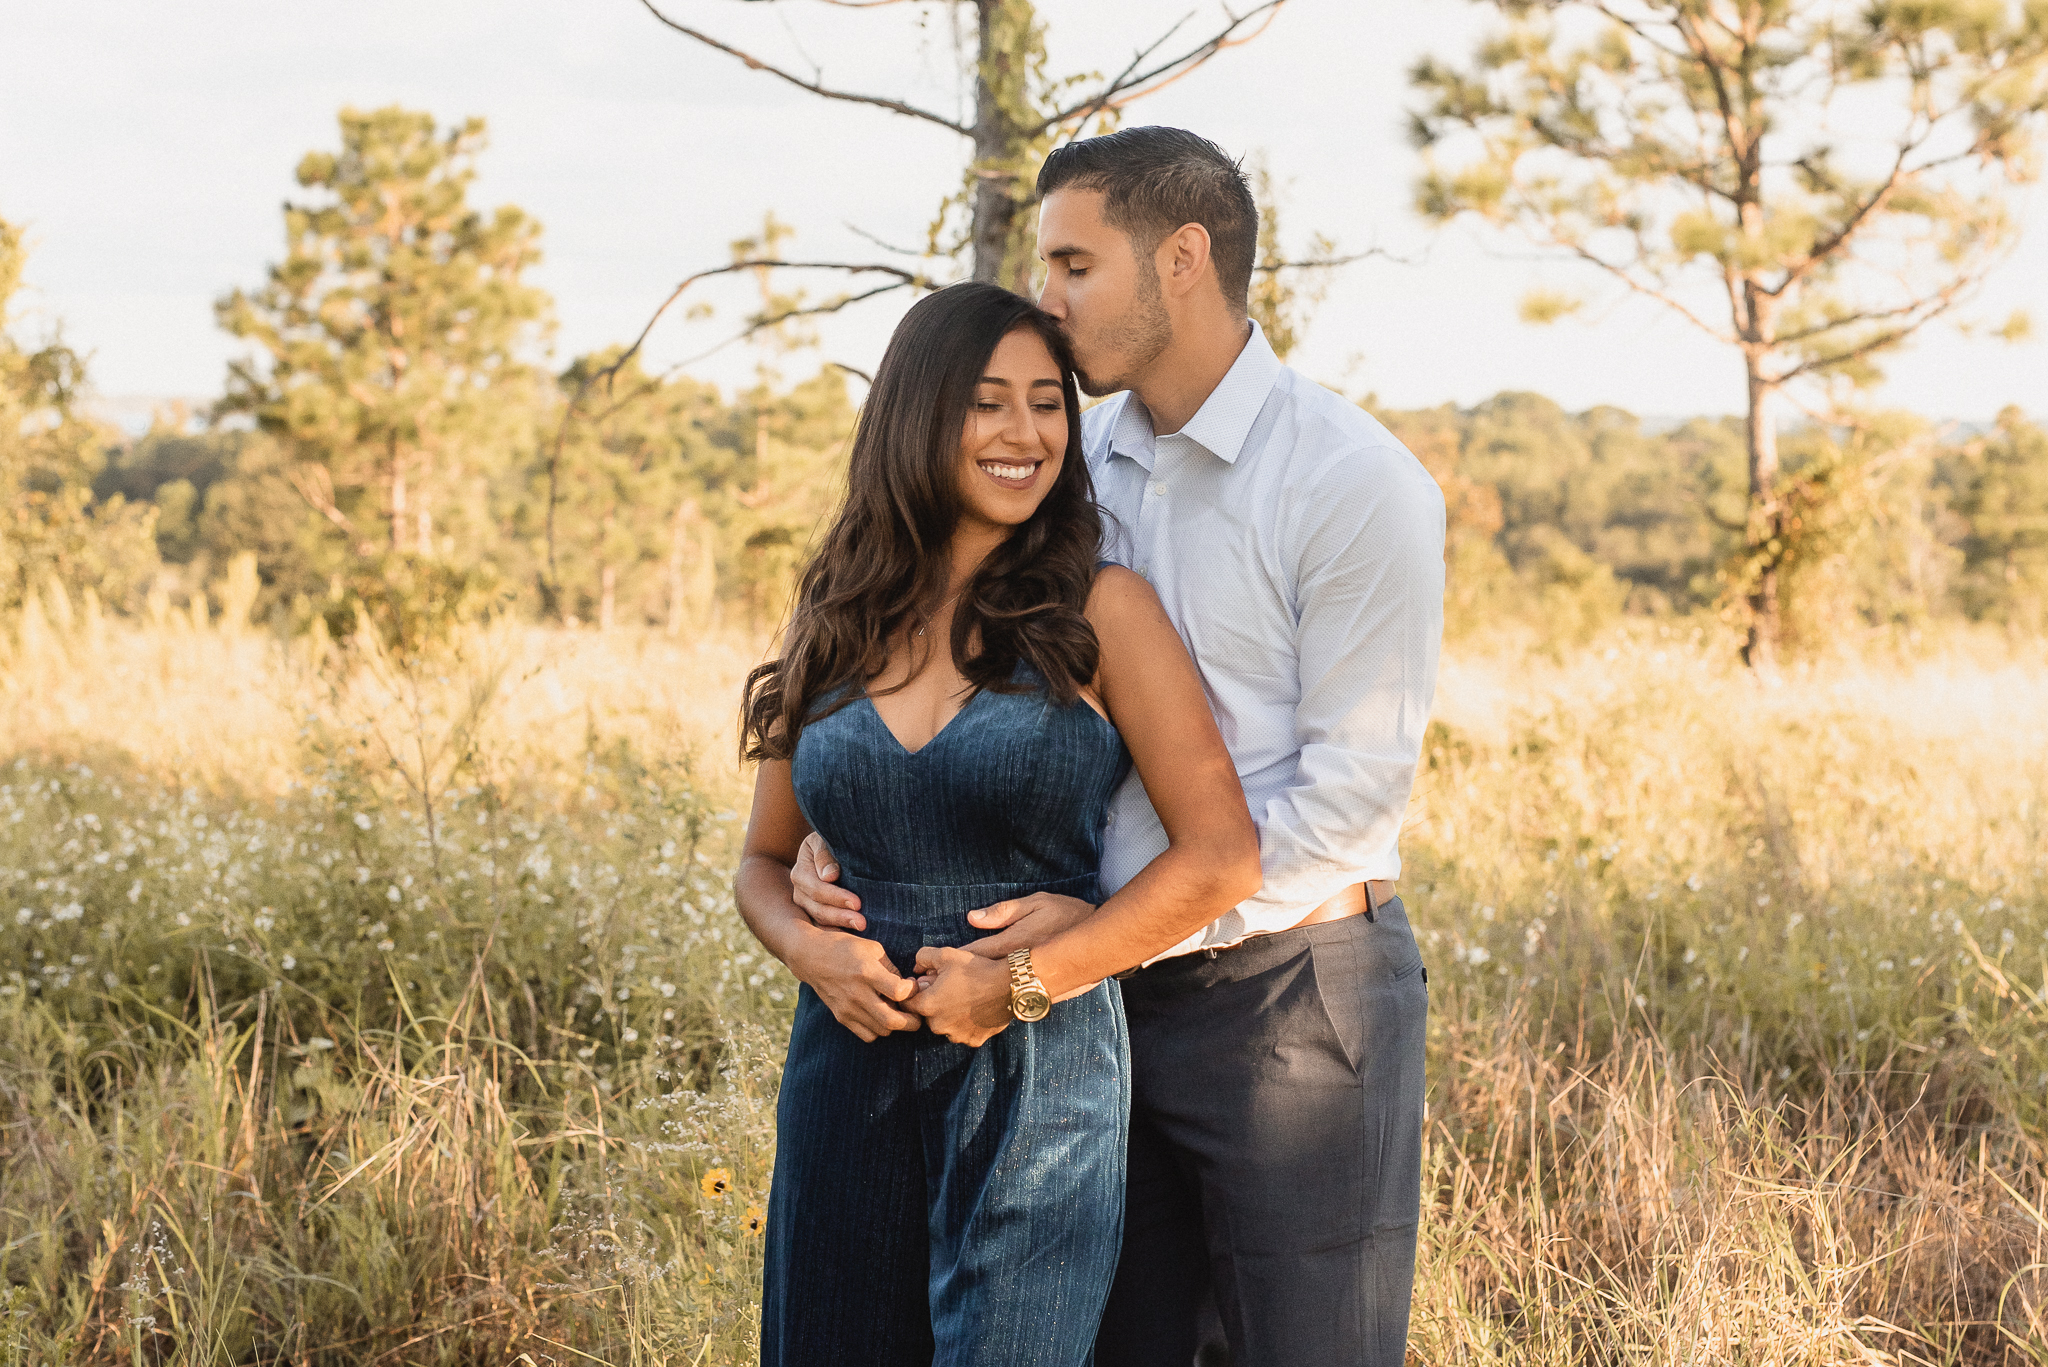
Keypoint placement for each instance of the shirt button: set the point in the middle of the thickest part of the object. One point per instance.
(1159, 490)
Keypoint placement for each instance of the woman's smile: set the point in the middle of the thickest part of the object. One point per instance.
(1011, 474)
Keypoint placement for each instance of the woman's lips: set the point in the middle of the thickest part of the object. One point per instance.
(1011, 474)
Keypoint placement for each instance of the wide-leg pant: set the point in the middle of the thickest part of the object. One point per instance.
(940, 1206)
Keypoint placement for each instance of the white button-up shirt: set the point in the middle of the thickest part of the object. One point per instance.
(1298, 548)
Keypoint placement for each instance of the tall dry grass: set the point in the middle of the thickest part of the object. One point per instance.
(355, 1015)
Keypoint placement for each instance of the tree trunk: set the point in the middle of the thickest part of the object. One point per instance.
(1760, 650)
(397, 498)
(607, 578)
(993, 207)
(1006, 42)
(678, 560)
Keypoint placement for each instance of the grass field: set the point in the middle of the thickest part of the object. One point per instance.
(351, 1015)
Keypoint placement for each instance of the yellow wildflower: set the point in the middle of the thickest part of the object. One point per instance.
(755, 1219)
(716, 1182)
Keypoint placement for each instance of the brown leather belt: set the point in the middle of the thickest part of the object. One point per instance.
(1360, 899)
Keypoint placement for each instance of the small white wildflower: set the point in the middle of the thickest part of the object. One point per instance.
(631, 1036)
(1478, 954)
(1884, 965)
(1690, 954)
(625, 992)
(23, 916)
(69, 912)
(1695, 883)
(362, 821)
(386, 945)
(1792, 921)
(670, 1014)
(183, 919)
(392, 894)
(1763, 899)
(290, 963)
(135, 892)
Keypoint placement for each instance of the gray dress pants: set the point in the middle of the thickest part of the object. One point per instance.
(1276, 1150)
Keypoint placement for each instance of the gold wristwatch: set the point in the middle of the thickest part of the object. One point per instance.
(1029, 1001)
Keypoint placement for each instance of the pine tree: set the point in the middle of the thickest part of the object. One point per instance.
(392, 342)
(1806, 186)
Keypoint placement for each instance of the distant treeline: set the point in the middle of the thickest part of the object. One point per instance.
(1567, 520)
(688, 507)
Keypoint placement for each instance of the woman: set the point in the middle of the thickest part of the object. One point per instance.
(960, 689)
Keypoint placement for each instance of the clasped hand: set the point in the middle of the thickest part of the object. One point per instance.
(963, 994)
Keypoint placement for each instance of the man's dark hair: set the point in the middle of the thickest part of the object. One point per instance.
(1154, 180)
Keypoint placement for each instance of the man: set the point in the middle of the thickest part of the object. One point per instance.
(1275, 1152)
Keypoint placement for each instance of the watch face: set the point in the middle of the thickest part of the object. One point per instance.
(1030, 1004)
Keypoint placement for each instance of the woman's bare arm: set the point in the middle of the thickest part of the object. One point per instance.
(851, 975)
(1152, 693)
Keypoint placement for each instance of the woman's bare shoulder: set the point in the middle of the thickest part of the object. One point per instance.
(1119, 593)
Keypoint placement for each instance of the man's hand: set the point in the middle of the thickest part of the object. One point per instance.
(857, 982)
(1027, 923)
(964, 998)
(810, 887)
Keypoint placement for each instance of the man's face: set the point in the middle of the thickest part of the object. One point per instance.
(1103, 289)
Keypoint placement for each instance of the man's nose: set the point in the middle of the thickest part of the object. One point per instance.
(1052, 297)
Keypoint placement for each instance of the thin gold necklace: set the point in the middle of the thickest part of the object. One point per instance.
(942, 607)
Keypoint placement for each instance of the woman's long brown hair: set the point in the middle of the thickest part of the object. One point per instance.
(883, 564)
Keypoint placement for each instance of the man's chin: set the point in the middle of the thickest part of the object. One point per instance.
(1096, 387)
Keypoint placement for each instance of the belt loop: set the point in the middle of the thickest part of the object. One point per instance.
(1211, 953)
(1371, 911)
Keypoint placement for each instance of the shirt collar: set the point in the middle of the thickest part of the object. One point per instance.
(1225, 418)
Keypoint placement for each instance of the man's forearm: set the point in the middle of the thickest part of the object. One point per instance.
(1173, 897)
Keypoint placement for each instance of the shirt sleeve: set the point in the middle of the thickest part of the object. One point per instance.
(1368, 600)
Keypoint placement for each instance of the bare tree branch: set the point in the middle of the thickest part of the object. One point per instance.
(814, 87)
(1132, 86)
(314, 484)
(903, 280)
(1329, 262)
(1096, 106)
(859, 231)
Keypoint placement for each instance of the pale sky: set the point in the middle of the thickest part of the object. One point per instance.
(147, 149)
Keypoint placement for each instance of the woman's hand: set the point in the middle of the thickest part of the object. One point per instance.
(856, 981)
(964, 998)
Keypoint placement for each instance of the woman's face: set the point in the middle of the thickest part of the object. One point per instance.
(1015, 438)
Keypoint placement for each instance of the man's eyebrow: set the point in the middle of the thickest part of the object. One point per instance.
(1062, 253)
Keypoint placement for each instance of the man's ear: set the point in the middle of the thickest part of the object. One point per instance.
(1183, 260)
